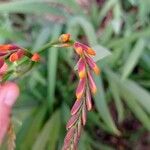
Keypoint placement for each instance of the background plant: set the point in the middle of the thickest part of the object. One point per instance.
(122, 104)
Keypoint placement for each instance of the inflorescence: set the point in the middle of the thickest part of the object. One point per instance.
(85, 89)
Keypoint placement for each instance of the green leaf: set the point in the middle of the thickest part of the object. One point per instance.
(134, 97)
(102, 107)
(29, 6)
(49, 135)
(52, 68)
(133, 58)
(141, 95)
(116, 95)
(108, 5)
(86, 26)
(42, 38)
(34, 128)
(137, 110)
(101, 52)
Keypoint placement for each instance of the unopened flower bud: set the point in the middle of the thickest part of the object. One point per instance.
(64, 38)
(35, 57)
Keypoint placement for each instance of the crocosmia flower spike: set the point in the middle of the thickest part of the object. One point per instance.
(86, 87)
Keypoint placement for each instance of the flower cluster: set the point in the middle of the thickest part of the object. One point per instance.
(86, 87)
(15, 53)
(9, 91)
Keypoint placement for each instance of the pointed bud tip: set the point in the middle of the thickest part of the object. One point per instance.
(64, 38)
(96, 70)
(90, 51)
(79, 50)
(35, 57)
(13, 57)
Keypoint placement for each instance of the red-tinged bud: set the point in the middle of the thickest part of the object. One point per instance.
(3, 69)
(72, 121)
(76, 107)
(35, 57)
(2, 54)
(13, 57)
(8, 47)
(93, 65)
(16, 55)
(84, 116)
(88, 99)
(92, 83)
(64, 38)
(84, 48)
(68, 138)
(78, 48)
(80, 88)
(81, 68)
(1, 63)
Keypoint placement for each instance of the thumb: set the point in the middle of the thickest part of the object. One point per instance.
(9, 92)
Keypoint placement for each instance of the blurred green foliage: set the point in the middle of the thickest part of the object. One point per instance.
(121, 113)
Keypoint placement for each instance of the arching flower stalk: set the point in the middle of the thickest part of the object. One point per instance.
(86, 87)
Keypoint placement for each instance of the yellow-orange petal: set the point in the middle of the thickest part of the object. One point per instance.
(64, 38)
(35, 57)
(79, 50)
(82, 74)
(81, 68)
(90, 51)
(96, 70)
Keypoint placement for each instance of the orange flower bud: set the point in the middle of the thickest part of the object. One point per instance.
(84, 48)
(93, 65)
(64, 38)
(35, 57)
(96, 70)
(7, 47)
(13, 57)
(16, 55)
(90, 51)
